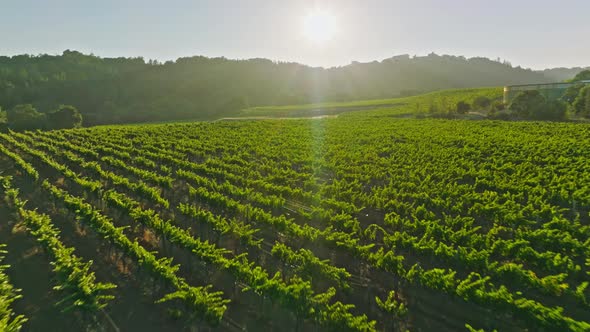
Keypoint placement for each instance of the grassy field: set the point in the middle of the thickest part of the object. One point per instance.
(364, 222)
(417, 104)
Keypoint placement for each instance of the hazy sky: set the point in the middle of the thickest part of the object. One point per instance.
(531, 33)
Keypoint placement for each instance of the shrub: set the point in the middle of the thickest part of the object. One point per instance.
(582, 76)
(581, 105)
(572, 93)
(551, 110)
(498, 106)
(531, 105)
(526, 103)
(65, 117)
(499, 115)
(463, 107)
(26, 117)
(482, 102)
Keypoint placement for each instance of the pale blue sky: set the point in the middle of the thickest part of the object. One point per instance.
(529, 33)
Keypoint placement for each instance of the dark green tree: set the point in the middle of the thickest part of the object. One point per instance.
(553, 110)
(531, 105)
(25, 117)
(235, 104)
(482, 102)
(526, 103)
(581, 105)
(498, 105)
(3, 122)
(582, 76)
(572, 93)
(432, 109)
(463, 107)
(65, 117)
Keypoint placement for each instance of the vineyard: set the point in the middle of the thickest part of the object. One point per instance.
(365, 222)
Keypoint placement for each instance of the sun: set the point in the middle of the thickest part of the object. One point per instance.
(319, 26)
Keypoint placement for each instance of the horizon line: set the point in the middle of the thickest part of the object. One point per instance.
(411, 56)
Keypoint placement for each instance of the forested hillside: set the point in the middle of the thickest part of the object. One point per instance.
(122, 90)
(562, 74)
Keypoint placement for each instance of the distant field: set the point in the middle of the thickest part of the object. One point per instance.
(363, 222)
(415, 104)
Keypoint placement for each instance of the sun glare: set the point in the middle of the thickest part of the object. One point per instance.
(319, 26)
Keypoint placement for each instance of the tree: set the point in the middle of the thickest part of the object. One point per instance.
(581, 105)
(482, 102)
(498, 105)
(3, 122)
(25, 117)
(532, 105)
(551, 110)
(234, 104)
(582, 76)
(526, 103)
(65, 117)
(572, 93)
(432, 109)
(463, 107)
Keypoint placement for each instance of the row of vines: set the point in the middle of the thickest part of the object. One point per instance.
(349, 224)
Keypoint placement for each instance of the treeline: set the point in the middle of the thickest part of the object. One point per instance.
(120, 90)
(26, 117)
(527, 105)
(562, 74)
(532, 105)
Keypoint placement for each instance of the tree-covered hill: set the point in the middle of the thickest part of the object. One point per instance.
(562, 74)
(117, 90)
